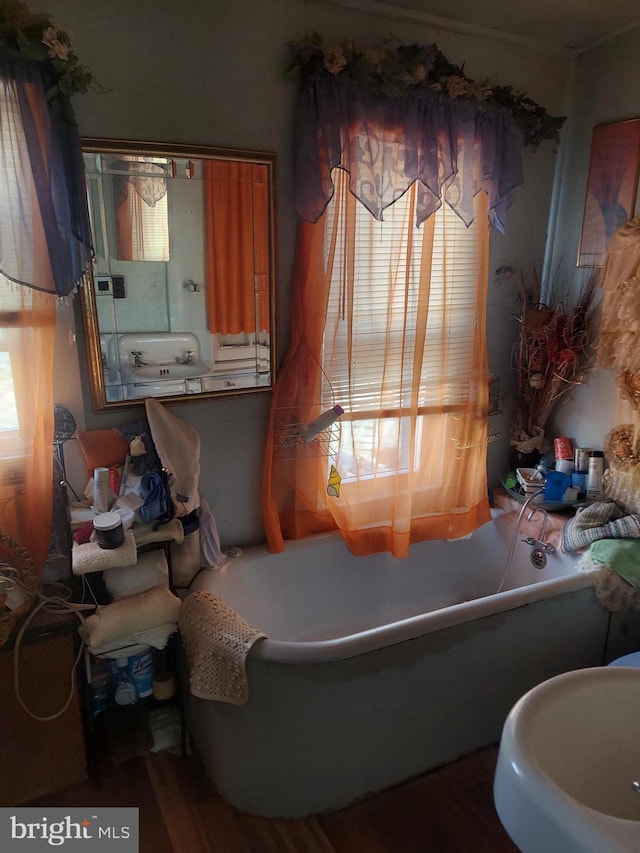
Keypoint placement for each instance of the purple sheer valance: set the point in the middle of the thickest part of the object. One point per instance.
(454, 148)
(45, 236)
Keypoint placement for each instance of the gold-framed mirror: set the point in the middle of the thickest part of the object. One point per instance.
(180, 301)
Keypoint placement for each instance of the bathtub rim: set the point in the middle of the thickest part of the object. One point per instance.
(363, 642)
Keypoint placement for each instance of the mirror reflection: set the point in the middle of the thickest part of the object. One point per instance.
(180, 302)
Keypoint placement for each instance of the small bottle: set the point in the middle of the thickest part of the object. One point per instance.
(594, 475)
(125, 693)
(101, 491)
(309, 431)
(581, 459)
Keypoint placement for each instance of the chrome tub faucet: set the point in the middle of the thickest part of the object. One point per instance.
(136, 354)
(539, 543)
(187, 358)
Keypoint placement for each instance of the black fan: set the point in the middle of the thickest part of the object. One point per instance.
(64, 425)
(64, 428)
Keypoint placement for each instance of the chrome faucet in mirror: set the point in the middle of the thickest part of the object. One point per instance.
(181, 298)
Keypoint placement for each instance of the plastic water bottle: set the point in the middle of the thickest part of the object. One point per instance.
(125, 693)
(100, 684)
(311, 430)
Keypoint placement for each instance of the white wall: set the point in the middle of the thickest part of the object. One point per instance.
(607, 89)
(213, 73)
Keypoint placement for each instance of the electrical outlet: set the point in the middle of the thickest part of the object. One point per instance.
(117, 283)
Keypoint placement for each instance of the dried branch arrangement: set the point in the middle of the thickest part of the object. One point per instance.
(553, 354)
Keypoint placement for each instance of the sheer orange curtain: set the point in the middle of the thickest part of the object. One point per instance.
(237, 257)
(407, 363)
(27, 335)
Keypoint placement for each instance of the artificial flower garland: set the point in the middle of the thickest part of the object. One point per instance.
(37, 37)
(394, 68)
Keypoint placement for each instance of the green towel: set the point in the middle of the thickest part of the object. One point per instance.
(621, 556)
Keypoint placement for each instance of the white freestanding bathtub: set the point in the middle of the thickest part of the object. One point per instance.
(376, 669)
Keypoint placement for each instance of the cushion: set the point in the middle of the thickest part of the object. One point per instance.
(102, 448)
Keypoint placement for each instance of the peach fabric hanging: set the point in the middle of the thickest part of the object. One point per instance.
(27, 332)
(237, 248)
(426, 475)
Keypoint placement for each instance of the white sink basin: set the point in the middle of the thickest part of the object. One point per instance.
(569, 753)
(169, 370)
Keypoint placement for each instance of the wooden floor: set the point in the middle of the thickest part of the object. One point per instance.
(449, 810)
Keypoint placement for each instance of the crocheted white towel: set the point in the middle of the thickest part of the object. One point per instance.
(90, 557)
(216, 641)
(611, 591)
(600, 520)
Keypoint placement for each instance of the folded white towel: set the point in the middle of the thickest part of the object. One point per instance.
(216, 641)
(131, 615)
(90, 557)
(173, 531)
(132, 644)
(150, 570)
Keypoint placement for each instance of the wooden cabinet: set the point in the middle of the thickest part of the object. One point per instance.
(39, 757)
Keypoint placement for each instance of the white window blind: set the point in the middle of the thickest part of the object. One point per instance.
(385, 297)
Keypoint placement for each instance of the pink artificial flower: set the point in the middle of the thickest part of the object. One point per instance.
(420, 74)
(58, 42)
(457, 87)
(334, 60)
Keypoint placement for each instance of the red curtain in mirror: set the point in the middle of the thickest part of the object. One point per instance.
(237, 247)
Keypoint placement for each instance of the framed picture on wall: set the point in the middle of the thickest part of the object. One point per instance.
(612, 181)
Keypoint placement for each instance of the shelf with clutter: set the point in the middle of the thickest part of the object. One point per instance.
(564, 478)
(136, 546)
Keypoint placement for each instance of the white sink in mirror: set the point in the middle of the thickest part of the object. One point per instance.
(153, 356)
(168, 370)
(569, 757)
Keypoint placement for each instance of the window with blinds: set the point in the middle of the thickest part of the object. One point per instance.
(149, 229)
(12, 299)
(399, 340)
(8, 407)
(11, 136)
(128, 206)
